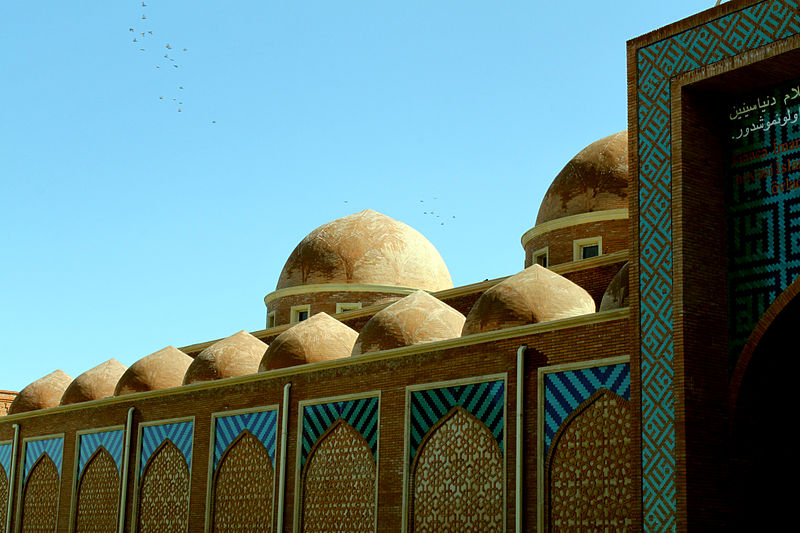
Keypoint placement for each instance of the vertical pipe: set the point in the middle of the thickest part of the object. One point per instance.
(520, 389)
(13, 476)
(125, 462)
(282, 471)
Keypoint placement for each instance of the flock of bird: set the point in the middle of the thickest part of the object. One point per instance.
(141, 37)
(431, 213)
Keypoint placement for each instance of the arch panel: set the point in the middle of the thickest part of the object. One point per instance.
(3, 498)
(98, 495)
(40, 497)
(164, 494)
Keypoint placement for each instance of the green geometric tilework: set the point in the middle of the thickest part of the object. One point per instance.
(656, 64)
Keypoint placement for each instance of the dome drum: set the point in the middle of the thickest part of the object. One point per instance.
(563, 244)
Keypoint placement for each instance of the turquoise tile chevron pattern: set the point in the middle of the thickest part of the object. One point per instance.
(361, 414)
(53, 448)
(565, 391)
(112, 441)
(485, 401)
(180, 433)
(261, 424)
(737, 32)
(5, 457)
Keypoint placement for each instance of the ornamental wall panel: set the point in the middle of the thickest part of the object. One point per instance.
(98, 495)
(41, 483)
(5, 484)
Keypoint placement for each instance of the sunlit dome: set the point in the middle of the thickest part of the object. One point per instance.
(94, 384)
(160, 370)
(237, 355)
(43, 393)
(320, 338)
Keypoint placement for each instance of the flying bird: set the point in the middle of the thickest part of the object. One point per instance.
(144, 5)
(169, 47)
(143, 17)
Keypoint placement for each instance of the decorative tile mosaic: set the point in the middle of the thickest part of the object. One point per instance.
(53, 448)
(657, 63)
(261, 424)
(179, 433)
(485, 401)
(565, 391)
(112, 441)
(361, 414)
(5, 457)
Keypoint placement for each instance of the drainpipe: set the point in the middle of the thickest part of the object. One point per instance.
(125, 462)
(13, 474)
(520, 390)
(282, 472)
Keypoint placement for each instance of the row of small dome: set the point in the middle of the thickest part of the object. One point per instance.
(534, 295)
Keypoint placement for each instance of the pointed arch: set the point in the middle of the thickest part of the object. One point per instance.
(338, 482)
(3, 497)
(589, 469)
(40, 496)
(243, 487)
(164, 493)
(98, 494)
(457, 477)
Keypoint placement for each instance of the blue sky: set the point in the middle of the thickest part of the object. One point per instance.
(128, 225)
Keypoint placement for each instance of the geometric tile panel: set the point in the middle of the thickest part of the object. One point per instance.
(724, 37)
(110, 440)
(485, 401)
(5, 457)
(179, 433)
(53, 448)
(361, 414)
(763, 205)
(261, 424)
(565, 391)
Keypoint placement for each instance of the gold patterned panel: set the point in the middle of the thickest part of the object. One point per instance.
(40, 499)
(243, 487)
(457, 478)
(3, 498)
(590, 477)
(339, 483)
(98, 495)
(164, 496)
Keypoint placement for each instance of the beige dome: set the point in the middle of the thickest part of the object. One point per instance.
(319, 338)
(594, 180)
(41, 394)
(94, 384)
(534, 295)
(366, 247)
(237, 355)
(616, 295)
(417, 318)
(160, 370)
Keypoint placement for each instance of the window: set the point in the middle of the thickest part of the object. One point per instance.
(342, 307)
(541, 257)
(271, 320)
(300, 312)
(586, 248)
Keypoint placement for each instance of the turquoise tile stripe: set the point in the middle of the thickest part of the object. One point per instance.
(53, 448)
(261, 424)
(485, 401)
(180, 433)
(112, 441)
(361, 414)
(5, 457)
(565, 391)
(721, 38)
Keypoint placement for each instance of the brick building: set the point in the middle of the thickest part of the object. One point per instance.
(631, 377)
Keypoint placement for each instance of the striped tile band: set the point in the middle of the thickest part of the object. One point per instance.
(180, 433)
(261, 424)
(361, 414)
(485, 401)
(53, 448)
(565, 391)
(112, 441)
(5, 457)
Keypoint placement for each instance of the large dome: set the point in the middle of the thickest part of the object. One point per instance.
(594, 180)
(366, 247)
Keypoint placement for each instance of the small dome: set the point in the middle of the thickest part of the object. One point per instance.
(237, 355)
(417, 318)
(94, 384)
(41, 394)
(366, 247)
(594, 180)
(616, 295)
(534, 295)
(160, 370)
(319, 338)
